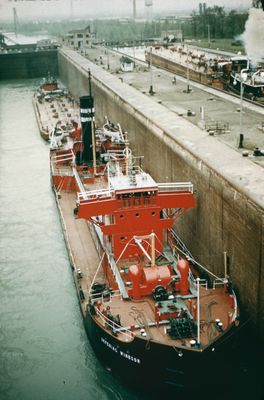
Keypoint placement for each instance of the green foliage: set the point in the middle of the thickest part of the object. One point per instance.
(215, 22)
(229, 45)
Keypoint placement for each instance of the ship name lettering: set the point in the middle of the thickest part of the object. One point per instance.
(122, 353)
(109, 345)
(129, 357)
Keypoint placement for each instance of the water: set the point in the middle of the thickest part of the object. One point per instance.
(44, 351)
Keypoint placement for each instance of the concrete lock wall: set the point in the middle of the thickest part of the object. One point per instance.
(229, 215)
(31, 64)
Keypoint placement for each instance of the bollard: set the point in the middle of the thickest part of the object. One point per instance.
(241, 138)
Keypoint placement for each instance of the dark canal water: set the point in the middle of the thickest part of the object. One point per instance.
(44, 351)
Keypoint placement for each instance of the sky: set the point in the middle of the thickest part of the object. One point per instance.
(48, 9)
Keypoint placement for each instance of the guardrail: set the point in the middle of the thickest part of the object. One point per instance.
(176, 187)
(62, 157)
(61, 171)
(101, 296)
(217, 127)
(219, 282)
(128, 334)
(94, 195)
(116, 155)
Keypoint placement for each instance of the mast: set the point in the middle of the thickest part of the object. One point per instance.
(15, 20)
(134, 10)
(93, 130)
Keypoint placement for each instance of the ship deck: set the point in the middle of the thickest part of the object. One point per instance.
(134, 315)
(81, 247)
(57, 110)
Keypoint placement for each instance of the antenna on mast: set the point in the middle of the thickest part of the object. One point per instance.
(15, 20)
(71, 10)
(134, 10)
(89, 82)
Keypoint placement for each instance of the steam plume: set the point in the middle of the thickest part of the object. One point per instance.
(254, 35)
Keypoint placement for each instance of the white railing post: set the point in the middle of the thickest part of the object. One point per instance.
(198, 310)
(176, 187)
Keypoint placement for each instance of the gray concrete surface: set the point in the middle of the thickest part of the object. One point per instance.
(218, 106)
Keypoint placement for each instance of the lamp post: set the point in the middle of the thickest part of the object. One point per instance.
(188, 77)
(107, 53)
(151, 91)
(188, 73)
(209, 39)
(241, 135)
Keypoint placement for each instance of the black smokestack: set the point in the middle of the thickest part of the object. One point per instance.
(87, 115)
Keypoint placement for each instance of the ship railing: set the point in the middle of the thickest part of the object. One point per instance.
(135, 170)
(235, 307)
(61, 171)
(116, 155)
(192, 278)
(62, 157)
(101, 134)
(78, 180)
(94, 195)
(219, 282)
(129, 332)
(105, 297)
(124, 168)
(176, 187)
(116, 328)
(202, 282)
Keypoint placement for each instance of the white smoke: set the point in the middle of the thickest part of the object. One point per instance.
(254, 35)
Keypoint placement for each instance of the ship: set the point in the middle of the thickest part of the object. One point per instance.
(49, 87)
(251, 77)
(154, 315)
(197, 64)
(55, 109)
(245, 76)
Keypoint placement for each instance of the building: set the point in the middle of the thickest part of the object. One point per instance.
(79, 39)
(126, 64)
